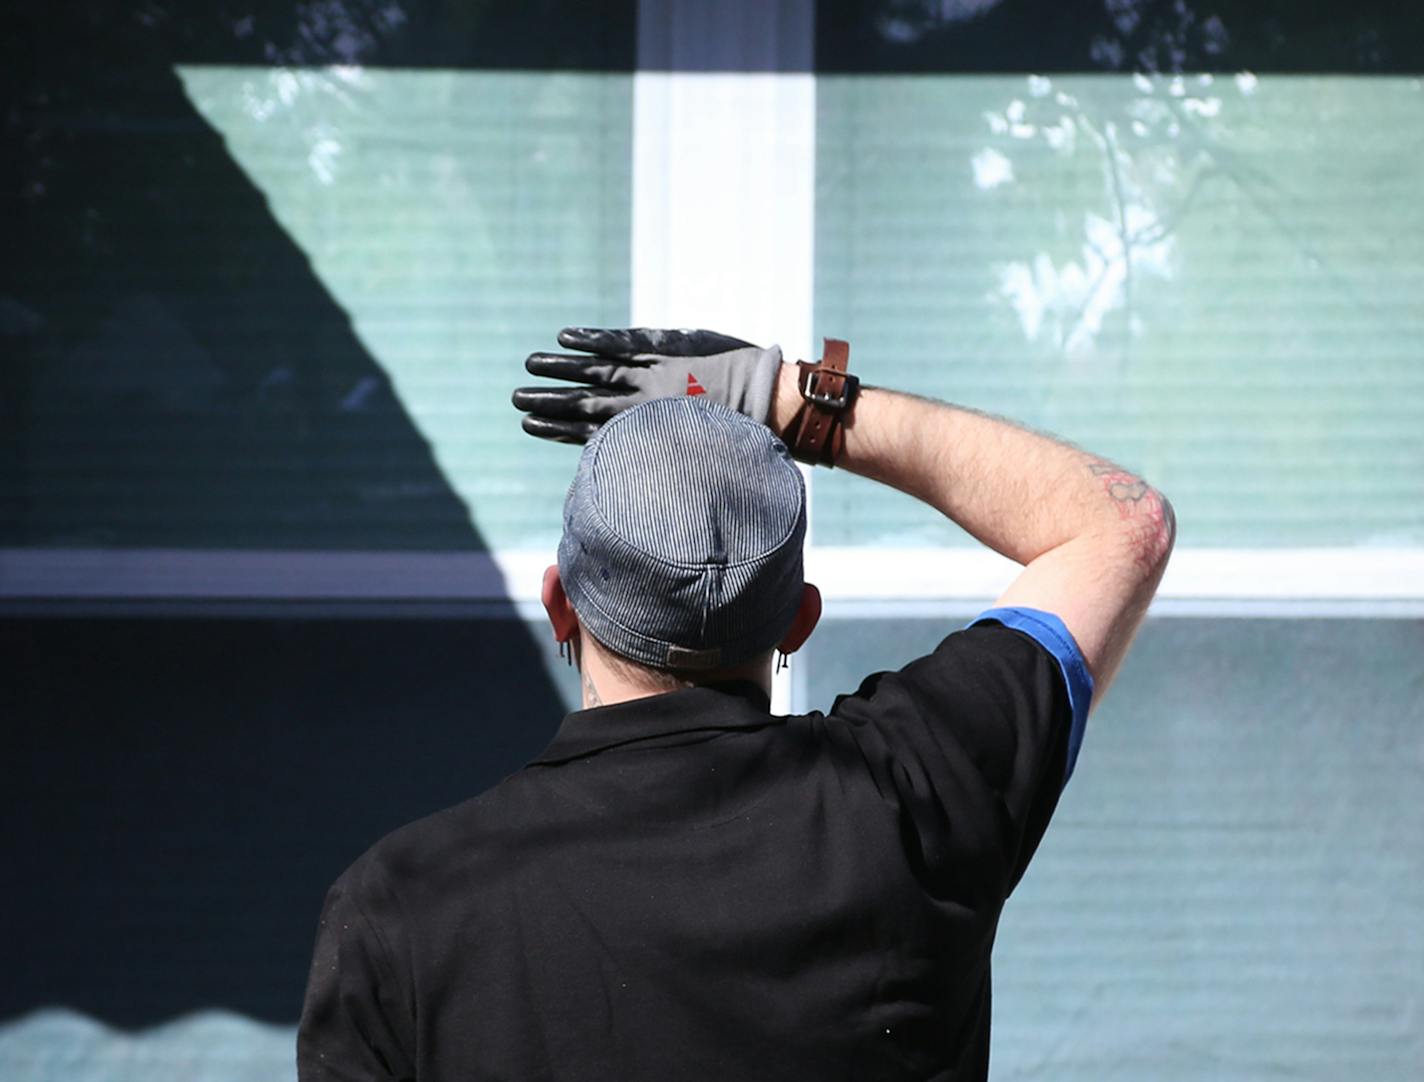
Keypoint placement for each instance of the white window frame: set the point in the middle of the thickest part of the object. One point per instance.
(723, 236)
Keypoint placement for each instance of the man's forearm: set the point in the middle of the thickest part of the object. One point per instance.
(1018, 491)
(1095, 537)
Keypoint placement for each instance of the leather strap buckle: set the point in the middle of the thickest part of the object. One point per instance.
(816, 434)
(811, 389)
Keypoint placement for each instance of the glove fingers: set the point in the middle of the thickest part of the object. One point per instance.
(631, 342)
(559, 431)
(708, 343)
(591, 370)
(571, 403)
(622, 344)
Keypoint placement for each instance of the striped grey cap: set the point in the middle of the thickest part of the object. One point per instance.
(682, 535)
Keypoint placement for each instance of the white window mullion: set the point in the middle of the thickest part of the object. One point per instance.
(724, 180)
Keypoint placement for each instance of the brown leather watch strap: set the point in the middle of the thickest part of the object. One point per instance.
(817, 433)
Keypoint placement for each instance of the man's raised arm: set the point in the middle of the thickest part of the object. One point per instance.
(1093, 537)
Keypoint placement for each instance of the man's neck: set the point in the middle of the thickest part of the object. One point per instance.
(604, 684)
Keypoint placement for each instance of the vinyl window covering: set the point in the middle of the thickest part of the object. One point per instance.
(1214, 279)
(302, 302)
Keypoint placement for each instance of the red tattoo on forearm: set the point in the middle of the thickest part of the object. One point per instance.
(1149, 530)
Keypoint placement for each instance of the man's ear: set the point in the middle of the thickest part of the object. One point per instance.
(562, 617)
(807, 615)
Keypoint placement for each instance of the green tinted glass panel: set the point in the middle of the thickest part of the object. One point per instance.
(460, 219)
(1218, 281)
(1233, 885)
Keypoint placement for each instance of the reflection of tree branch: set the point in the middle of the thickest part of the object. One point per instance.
(1089, 242)
(1230, 164)
(1105, 262)
(1111, 147)
(1088, 298)
(1165, 227)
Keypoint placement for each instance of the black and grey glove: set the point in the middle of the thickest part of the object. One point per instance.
(634, 365)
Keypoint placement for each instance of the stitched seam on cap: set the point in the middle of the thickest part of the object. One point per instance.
(591, 601)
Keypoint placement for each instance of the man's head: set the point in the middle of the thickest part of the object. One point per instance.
(682, 543)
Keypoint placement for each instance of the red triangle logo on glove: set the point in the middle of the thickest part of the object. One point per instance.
(693, 387)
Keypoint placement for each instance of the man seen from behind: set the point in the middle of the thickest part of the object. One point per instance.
(684, 885)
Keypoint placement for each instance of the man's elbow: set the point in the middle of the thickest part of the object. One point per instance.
(1152, 532)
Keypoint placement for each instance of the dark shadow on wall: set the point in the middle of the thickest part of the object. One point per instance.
(176, 375)
(179, 793)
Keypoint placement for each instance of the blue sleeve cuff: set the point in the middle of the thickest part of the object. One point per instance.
(1049, 632)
